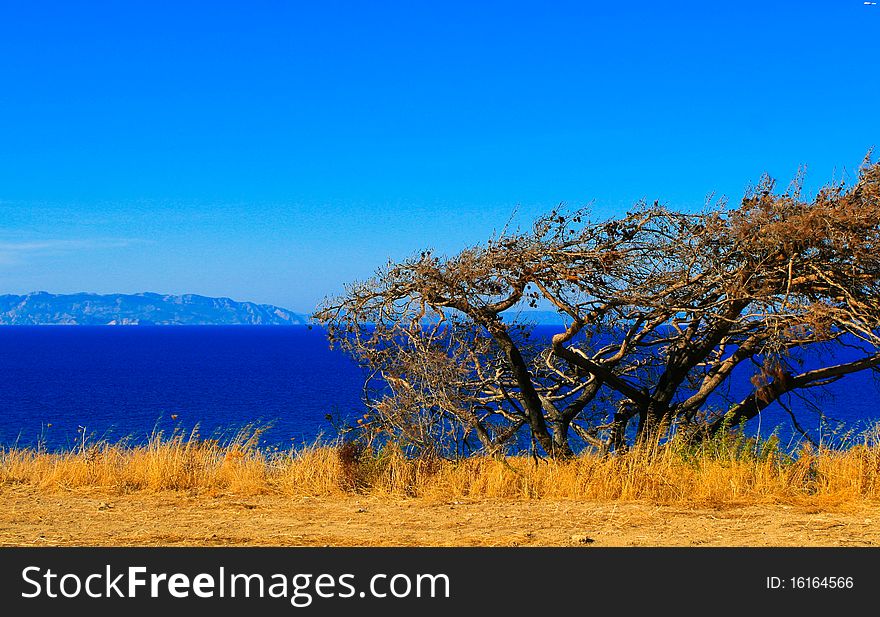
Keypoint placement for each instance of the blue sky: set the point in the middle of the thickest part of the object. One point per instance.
(272, 151)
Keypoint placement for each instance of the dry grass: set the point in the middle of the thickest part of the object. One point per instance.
(737, 471)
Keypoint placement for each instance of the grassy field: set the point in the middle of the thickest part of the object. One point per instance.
(182, 490)
(735, 470)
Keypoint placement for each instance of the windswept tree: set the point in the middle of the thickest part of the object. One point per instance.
(661, 308)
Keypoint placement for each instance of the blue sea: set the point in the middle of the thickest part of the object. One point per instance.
(129, 381)
(60, 382)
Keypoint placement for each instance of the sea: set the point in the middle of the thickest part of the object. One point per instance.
(62, 386)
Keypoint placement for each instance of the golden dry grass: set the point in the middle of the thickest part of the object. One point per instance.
(185, 491)
(738, 472)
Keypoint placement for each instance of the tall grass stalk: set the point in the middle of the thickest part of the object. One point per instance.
(730, 470)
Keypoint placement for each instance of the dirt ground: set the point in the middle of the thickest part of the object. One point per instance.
(31, 517)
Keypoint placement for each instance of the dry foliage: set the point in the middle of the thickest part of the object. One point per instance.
(732, 470)
(661, 306)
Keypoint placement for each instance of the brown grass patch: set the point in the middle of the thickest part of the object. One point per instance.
(739, 472)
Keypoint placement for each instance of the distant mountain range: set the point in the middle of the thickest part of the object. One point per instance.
(542, 318)
(42, 308)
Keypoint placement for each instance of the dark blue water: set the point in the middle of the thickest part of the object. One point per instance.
(127, 382)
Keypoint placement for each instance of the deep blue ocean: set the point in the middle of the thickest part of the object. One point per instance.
(128, 382)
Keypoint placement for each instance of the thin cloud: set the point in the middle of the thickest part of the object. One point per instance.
(14, 253)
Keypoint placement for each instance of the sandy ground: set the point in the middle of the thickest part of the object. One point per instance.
(30, 517)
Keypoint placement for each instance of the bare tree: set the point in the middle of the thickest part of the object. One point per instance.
(661, 307)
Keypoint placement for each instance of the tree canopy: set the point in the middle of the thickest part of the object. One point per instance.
(661, 307)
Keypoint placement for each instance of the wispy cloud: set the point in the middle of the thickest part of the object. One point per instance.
(16, 252)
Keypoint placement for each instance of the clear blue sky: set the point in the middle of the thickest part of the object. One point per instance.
(271, 151)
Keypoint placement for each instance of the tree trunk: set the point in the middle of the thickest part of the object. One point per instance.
(531, 400)
(652, 420)
(617, 438)
(560, 438)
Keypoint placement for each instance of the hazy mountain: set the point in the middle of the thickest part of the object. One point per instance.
(524, 316)
(144, 308)
(543, 318)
